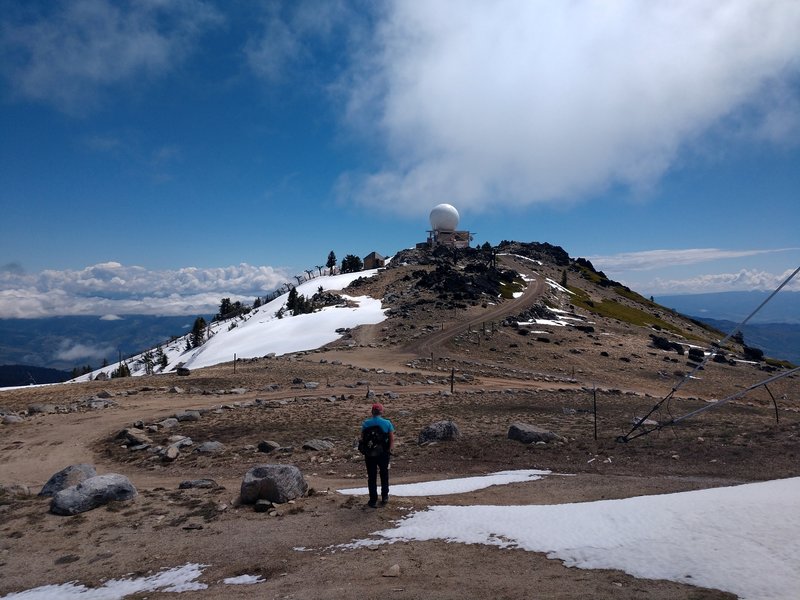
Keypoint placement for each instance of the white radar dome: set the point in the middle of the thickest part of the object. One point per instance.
(444, 217)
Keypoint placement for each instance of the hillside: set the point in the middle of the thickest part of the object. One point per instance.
(486, 338)
(12, 375)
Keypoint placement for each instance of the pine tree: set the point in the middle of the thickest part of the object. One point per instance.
(291, 301)
(331, 264)
(257, 302)
(351, 264)
(198, 332)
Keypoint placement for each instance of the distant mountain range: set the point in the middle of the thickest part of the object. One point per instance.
(775, 329)
(736, 306)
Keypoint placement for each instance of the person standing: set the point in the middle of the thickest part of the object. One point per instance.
(377, 443)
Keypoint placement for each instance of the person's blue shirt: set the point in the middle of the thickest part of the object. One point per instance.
(383, 423)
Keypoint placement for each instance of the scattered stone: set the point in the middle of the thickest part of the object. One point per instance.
(276, 483)
(263, 506)
(168, 423)
(183, 372)
(171, 453)
(311, 385)
(393, 571)
(134, 436)
(188, 415)
(176, 390)
(318, 445)
(92, 493)
(211, 448)
(268, 446)
(530, 434)
(14, 489)
(12, 419)
(67, 477)
(46, 409)
(198, 483)
(104, 394)
(438, 432)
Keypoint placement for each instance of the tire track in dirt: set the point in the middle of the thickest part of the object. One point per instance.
(536, 288)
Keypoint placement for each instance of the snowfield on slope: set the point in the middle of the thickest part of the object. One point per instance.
(261, 332)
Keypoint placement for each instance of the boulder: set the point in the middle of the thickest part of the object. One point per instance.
(103, 394)
(276, 483)
(183, 371)
(67, 477)
(92, 493)
(530, 434)
(168, 423)
(47, 409)
(439, 432)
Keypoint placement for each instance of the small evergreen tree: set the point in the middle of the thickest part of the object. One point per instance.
(564, 278)
(225, 307)
(331, 262)
(351, 264)
(161, 358)
(198, 332)
(257, 302)
(291, 301)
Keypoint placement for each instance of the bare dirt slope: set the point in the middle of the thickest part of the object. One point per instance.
(548, 376)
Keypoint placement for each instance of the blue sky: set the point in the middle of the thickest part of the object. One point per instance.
(158, 155)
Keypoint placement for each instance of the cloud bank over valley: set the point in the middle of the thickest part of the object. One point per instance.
(112, 289)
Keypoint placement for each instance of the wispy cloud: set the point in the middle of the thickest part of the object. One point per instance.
(72, 351)
(522, 102)
(115, 289)
(744, 280)
(67, 54)
(658, 259)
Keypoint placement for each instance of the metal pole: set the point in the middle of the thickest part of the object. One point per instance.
(594, 409)
(452, 379)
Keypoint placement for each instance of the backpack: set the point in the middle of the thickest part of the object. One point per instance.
(374, 442)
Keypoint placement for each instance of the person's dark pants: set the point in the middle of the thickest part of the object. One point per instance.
(374, 464)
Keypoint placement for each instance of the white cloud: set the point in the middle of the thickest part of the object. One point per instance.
(115, 289)
(744, 280)
(657, 259)
(517, 102)
(70, 351)
(73, 51)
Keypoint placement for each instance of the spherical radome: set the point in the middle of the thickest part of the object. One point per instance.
(444, 217)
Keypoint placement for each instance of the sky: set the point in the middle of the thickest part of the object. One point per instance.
(153, 151)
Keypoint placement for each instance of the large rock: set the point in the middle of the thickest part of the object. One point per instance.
(439, 432)
(91, 493)
(67, 477)
(276, 483)
(530, 434)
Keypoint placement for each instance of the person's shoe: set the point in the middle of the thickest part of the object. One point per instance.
(384, 501)
(372, 504)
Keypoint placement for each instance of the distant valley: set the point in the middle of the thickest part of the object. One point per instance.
(67, 342)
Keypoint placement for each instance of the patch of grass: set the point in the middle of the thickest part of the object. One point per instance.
(622, 312)
(509, 288)
(774, 362)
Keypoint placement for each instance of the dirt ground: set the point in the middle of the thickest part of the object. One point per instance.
(498, 377)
